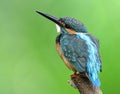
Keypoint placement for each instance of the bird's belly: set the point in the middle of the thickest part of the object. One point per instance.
(67, 63)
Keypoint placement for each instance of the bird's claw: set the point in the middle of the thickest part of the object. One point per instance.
(75, 74)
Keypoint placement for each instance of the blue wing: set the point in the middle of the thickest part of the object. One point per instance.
(82, 51)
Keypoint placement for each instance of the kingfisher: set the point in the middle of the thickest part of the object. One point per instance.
(77, 48)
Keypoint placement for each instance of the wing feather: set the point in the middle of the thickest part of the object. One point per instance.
(75, 50)
(82, 51)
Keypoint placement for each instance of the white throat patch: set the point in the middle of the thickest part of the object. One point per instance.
(58, 28)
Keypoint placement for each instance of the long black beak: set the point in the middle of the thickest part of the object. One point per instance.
(54, 19)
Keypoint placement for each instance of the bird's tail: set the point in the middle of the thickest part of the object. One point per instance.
(94, 80)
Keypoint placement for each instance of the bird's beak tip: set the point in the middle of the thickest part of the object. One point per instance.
(39, 12)
(36, 11)
(52, 18)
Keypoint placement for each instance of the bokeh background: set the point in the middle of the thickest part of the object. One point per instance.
(29, 63)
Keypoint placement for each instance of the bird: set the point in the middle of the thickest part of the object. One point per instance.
(77, 48)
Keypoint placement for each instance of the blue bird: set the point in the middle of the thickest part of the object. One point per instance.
(78, 49)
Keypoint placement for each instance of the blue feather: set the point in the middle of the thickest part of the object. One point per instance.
(83, 53)
(93, 64)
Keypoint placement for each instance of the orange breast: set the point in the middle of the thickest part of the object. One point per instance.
(67, 63)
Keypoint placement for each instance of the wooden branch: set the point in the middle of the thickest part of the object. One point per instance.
(84, 85)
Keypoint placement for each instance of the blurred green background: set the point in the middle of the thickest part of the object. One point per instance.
(29, 63)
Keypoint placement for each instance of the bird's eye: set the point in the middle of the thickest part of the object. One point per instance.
(67, 26)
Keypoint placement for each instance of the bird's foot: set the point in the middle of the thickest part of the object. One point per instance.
(75, 74)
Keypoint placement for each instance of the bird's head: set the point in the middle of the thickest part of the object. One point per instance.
(66, 24)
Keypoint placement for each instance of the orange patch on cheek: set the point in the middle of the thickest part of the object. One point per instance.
(71, 31)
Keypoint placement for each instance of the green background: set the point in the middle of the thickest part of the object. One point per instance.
(29, 63)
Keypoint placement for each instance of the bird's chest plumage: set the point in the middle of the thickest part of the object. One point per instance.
(59, 48)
